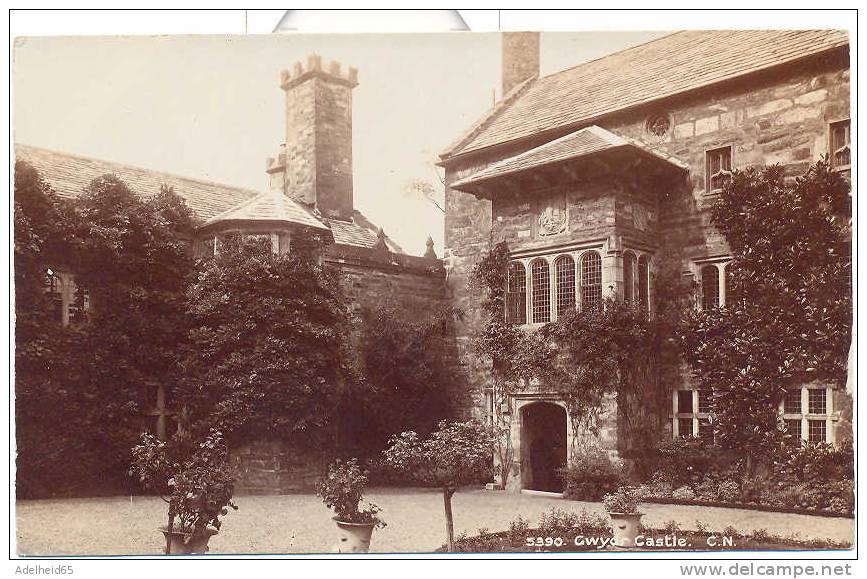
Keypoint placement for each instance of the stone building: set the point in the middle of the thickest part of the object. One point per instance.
(591, 173)
(309, 188)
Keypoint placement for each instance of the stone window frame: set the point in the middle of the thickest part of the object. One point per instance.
(695, 415)
(722, 264)
(65, 302)
(846, 124)
(708, 177)
(577, 253)
(640, 283)
(806, 418)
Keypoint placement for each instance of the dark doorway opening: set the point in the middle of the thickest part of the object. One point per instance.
(543, 444)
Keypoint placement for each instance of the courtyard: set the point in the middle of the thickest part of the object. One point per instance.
(301, 524)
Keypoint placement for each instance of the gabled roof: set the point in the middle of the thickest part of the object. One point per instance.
(582, 143)
(674, 64)
(69, 174)
(268, 207)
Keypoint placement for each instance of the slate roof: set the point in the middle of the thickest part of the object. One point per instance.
(670, 65)
(269, 206)
(70, 174)
(359, 232)
(582, 143)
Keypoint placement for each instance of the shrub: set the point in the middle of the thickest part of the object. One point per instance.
(728, 491)
(591, 475)
(198, 487)
(684, 493)
(817, 462)
(685, 461)
(623, 500)
(671, 527)
(342, 490)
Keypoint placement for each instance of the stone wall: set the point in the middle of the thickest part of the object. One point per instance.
(781, 116)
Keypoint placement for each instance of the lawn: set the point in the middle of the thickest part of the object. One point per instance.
(301, 524)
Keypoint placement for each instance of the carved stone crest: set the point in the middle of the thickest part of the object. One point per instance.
(553, 218)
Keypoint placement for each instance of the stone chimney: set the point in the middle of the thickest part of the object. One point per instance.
(520, 58)
(314, 166)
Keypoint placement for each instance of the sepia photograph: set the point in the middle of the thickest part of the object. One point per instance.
(451, 294)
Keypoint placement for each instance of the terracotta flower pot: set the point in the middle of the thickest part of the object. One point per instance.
(184, 543)
(625, 526)
(354, 537)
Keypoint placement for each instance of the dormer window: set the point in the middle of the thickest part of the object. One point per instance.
(718, 164)
(841, 155)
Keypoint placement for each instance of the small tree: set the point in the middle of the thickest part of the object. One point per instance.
(456, 454)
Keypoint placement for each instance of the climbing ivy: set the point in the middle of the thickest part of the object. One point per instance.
(788, 317)
(584, 356)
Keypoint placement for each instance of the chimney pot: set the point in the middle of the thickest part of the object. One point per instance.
(353, 75)
(297, 70)
(334, 68)
(314, 62)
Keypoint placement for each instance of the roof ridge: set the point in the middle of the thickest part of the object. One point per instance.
(17, 145)
(615, 53)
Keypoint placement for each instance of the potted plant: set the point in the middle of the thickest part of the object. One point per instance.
(196, 482)
(622, 507)
(341, 490)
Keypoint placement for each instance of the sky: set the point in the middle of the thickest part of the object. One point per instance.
(210, 107)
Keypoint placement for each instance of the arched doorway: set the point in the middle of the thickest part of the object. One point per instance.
(543, 446)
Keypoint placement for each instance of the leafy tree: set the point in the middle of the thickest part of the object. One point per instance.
(132, 256)
(81, 389)
(788, 316)
(267, 345)
(456, 454)
(44, 392)
(406, 354)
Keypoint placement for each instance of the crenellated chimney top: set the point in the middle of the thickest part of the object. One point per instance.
(301, 73)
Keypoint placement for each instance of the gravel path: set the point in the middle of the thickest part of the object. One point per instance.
(267, 524)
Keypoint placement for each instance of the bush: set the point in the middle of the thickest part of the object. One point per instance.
(684, 493)
(685, 461)
(623, 500)
(728, 491)
(197, 484)
(817, 462)
(591, 475)
(342, 490)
